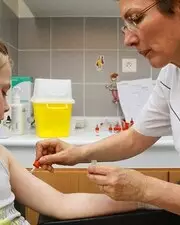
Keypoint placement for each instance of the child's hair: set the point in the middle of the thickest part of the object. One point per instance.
(4, 55)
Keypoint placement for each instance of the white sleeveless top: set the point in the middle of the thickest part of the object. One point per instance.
(8, 214)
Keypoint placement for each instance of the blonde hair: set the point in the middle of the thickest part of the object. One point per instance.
(4, 55)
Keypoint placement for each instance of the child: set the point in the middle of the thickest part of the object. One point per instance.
(17, 182)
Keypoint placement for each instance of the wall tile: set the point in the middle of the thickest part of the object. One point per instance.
(34, 33)
(110, 66)
(68, 65)
(101, 33)
(67, 33)
(98, 101)
(1, 19)
(67, 58)
(143, 67)
(14, 56)
(9, 33)
(121, 35)
(34, 63)
(9, 26)
(77, 93)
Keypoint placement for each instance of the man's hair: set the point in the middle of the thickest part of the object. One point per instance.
(166, 6)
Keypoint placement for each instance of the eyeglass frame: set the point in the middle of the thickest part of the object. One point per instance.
(132, 25)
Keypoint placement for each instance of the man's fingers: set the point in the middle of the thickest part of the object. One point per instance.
(100, 170)
(47, 167)
(40, 147)
(50, 159)
(98, 179)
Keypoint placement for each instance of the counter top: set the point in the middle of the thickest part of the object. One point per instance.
(161, 155)
(78, 138)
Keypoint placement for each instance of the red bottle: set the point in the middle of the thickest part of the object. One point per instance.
(119, 128)
(131, 122)
(97, 130)
(125, 125)
(115, 128)
(110, 128)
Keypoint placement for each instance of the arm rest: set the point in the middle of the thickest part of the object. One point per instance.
(139, 217)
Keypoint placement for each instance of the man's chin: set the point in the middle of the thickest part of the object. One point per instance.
(158, 63)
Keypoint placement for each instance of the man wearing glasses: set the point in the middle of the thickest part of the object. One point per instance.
(153, 28)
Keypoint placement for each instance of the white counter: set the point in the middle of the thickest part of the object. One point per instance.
(160, 155)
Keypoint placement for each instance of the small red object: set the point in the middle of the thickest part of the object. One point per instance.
(131, 122)
(115, 128)
(126, 127)
(110, 128)
(123, 124)
(118, 128)
(97, 129)
(36, 164)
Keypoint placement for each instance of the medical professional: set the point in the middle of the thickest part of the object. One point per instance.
(153, 28)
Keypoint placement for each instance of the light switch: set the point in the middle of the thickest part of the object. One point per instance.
(129, 65)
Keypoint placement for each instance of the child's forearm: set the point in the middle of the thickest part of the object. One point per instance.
(81, 205)
(44, 199)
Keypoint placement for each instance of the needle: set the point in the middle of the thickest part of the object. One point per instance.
(36, 164)
(93, 162)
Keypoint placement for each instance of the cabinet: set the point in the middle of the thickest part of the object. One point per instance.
(63, 180)
(84, 184)
(76, 180)
(162, 174)
(174, 176)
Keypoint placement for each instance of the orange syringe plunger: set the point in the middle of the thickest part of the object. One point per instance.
(36, 164)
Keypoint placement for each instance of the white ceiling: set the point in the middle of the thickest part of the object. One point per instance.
(74, 8)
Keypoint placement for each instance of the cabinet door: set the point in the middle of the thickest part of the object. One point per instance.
(63, 180)
(85, 185)
(174, 176)
(161, 174)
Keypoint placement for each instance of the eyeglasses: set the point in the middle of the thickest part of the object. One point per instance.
(132, 22)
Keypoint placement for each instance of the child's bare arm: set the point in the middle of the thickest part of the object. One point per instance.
(41, 197)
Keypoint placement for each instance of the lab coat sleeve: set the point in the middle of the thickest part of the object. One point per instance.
(154, 119)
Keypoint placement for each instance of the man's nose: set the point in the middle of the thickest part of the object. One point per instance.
(130, 38)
